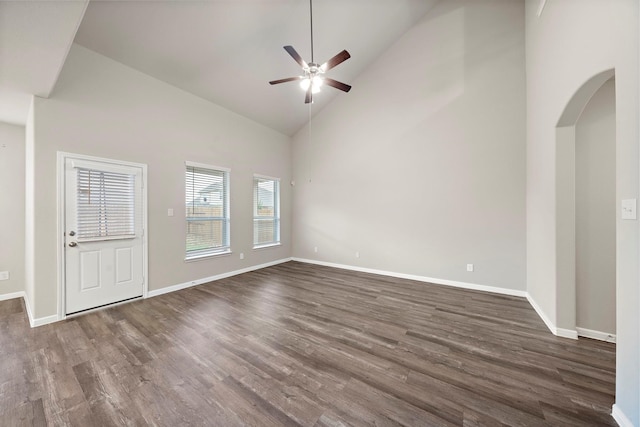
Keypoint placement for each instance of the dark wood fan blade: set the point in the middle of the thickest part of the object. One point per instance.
(339, 58)
(296, 56)
(308, 99)
(337, 84)
(288, 79)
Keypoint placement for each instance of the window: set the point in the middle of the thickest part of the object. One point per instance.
(207, 210)
(106, 205)
(266, 211)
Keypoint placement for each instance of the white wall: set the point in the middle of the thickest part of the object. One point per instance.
(595, 150)
(12, 152)
(572, 41)
(421, 167)
(102, 108)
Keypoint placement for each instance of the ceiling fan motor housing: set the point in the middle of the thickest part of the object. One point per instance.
(313, 70)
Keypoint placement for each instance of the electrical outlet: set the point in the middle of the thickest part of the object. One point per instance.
(357, 254)
(315, 249)
(241, 255)
(469, 267)
(4, 275)
(170, 212)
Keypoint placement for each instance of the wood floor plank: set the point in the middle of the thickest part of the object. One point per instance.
(303, 345)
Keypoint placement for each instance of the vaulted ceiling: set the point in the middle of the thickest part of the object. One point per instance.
(35, 37)
(225, 51)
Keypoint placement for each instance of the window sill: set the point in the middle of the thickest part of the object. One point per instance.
(207, 256)
(267, 245)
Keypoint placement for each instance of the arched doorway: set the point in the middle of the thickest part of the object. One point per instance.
(573, 250)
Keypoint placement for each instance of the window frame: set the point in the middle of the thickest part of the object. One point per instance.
(276, 215)
(225, 249)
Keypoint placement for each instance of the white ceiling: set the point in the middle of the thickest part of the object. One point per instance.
(225, 51)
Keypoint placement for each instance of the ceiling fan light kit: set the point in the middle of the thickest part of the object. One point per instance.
(315, 83)
(312, 78)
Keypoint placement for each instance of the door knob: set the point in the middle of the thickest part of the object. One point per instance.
(73, 244)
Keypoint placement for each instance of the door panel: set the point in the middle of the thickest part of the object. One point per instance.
(124, 265)
(104, 248)
(89, 268)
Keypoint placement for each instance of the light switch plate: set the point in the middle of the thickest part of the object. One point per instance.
(4, 275)
(170, 212)
(629, 209)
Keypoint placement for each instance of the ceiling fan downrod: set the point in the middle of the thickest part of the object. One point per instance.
(311, 20)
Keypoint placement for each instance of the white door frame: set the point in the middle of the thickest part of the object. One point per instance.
(60, 185)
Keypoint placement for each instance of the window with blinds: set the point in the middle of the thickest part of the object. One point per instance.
(266, 211)
(105, 205)
(207, 210)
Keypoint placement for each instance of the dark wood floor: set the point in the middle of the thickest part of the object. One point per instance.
(298, 344)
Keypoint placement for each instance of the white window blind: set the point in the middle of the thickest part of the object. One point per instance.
(266, 211)
(106, 204)
(207, 211)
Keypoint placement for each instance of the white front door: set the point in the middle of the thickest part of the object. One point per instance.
(104, 248)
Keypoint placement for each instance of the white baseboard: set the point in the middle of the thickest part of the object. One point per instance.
(453, 283)
(560, 332)
(567, 333)
(28, 308)
(596, 335)
(34, 322)
(620, 417)
(542, 315)
(40, 321)
(173, 288)
(12, 295)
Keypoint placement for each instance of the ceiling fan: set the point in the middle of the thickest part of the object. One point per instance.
(312, 77)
